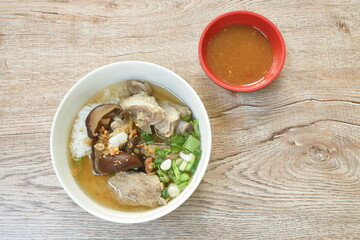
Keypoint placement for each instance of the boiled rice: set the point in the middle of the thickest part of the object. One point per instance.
(79, 142)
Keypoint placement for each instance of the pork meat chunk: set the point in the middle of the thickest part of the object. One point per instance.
(173, 114)
(145, 109)
(120, 125)
(183, 111)
(166, 127)
(137, 189)
(137, 87)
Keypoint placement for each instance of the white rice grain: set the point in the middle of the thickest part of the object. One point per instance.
(79, 142)
(79, 146)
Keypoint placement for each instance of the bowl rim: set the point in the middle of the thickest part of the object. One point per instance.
(254, 86)
(113, 217)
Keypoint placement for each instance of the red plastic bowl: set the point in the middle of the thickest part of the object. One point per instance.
(252, 19)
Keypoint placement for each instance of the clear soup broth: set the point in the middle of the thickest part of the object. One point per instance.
(96, 186)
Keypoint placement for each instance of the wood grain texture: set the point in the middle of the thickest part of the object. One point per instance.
(285, 161)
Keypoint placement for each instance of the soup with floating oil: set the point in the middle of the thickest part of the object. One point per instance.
(134, 146)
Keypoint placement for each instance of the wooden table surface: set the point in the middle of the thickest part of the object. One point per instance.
(285, 160)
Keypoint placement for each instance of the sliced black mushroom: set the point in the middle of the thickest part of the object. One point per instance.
(95, 156)
(100, 116)
(115, 163)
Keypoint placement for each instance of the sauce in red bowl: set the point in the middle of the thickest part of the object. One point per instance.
(242, 51)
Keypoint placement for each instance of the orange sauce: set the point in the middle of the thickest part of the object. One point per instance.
(239, 55)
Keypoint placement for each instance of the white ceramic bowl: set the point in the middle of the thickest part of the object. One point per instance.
(79, 95)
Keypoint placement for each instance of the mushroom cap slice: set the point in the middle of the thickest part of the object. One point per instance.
(115, 163)
(100, 115)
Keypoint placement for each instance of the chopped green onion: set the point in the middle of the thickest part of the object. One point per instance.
(183, 166)
(174, 137)
(158, 161)
(191, 143)
(186, 157)
(183, 185)
(146, 136)
(194, 166)
(175, 149)
(178, 161)
(162, 152)
(165, 193)
(189, 165)
(177, 139)
(160, 173)
(180, 140)
(167, 150)
(166, 165)
(178, 147)
(184, 177)
(173, 190)
(187, 118)
(171, 174)
(197, 152)
(176, 171)
(163, 177)
(196, 131)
